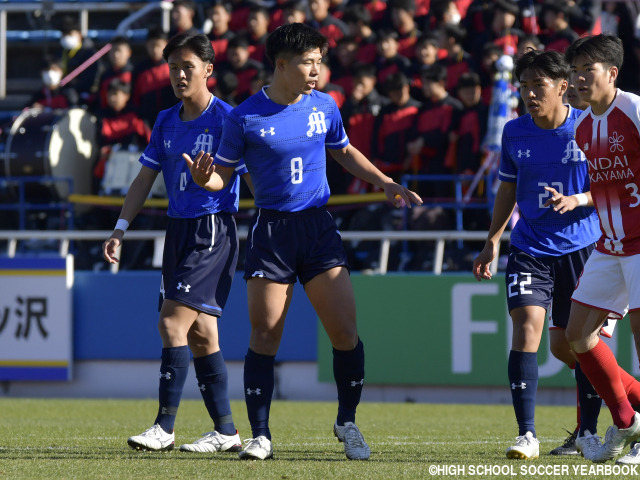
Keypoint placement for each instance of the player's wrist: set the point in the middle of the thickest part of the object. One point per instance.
(583, 200)
(122, 225)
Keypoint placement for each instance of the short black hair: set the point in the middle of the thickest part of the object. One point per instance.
(361, 69)
(294, 39)
(604, 48)
(357, 13)
(550, 64)
(396, 81)
(120, 40)
(156, 33)
(429, 38)
(227, 83)
(469, 79)
(385, 34)
(458, 33)
(69, 24)
(198, 43)
(408, 5)
(119, 85)
(190, 4)
(239, 41)
(434, 73)
(221, 3)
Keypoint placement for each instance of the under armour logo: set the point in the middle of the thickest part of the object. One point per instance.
(317, 123)
(183, 287)
(257, 391)
(271, 130)
(354, 383)
(586, 147)
(521, 385)
(202, 387)
(526, 153)
(167, 144)
(591, 395)
(166, 376)
(258, 273)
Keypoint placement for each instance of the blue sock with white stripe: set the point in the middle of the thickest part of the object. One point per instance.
(174, 367)
(211, 372)
(523, 381)
(348, 371)
(259, 381)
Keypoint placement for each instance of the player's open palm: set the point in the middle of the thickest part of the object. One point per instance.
(482, 263)
(201, 167)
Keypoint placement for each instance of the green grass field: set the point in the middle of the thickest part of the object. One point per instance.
(86, 439)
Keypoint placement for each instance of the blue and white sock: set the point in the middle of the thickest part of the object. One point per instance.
(259, 381)
(348, 371)
(523, 381)
(174, 367)
(211, 372)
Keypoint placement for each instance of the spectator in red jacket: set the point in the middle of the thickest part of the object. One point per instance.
(322, 20)
(258, 31)
(389, 60)
(239, 63)
(557, 34)
(120, 66)
(358, 21)
(219, 15)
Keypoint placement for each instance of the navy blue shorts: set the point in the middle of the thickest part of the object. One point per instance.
(284, 245)
(544, 281)
(199, 261)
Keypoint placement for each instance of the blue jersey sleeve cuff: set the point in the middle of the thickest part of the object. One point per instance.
(150, 162)
(226, 162)
(337, 145)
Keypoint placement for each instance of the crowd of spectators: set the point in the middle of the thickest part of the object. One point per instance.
(412, 78)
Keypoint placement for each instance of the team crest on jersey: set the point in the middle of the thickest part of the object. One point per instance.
(616, 142)
(572, 152)
(204, 142)
(316, 123)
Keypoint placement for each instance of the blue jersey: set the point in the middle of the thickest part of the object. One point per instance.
(170, 138)
(283, 147)
(535, 158)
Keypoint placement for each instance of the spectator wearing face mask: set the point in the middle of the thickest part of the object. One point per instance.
(51, 95)
(75, 51)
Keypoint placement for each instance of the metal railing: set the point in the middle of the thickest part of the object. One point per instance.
(384, 237)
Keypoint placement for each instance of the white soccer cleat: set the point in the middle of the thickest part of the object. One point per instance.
(527, 447)
(211, 442)
(154, 439)
(631, 458)
(568, 447)
(589, 445)
(616, 439)
(355, 447)
(258, 448)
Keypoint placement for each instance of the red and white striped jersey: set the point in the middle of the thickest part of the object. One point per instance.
(611, 143)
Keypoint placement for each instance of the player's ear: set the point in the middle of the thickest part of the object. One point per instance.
(564, 85)
(208, 70)
(613, 74)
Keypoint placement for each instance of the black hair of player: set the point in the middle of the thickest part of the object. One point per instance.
(604, 48)
(294, 39)
(550, 64)
(198, 43)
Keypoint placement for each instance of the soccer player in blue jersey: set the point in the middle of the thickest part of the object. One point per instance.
(281, 133)
(545, 173)
(200, 250)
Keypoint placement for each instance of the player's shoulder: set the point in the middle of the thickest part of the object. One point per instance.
(167, 115)
(320, 98)
(255, 104)
(220, 106)
(523, 122)
(629, 103)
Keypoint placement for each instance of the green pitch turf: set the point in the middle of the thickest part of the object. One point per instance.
(86, 439)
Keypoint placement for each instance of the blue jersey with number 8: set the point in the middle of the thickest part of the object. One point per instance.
(283, 147)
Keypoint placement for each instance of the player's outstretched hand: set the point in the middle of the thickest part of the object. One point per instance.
(561, 203)
(201, 167)
(482, 263)
(400, 196)
(110, 247)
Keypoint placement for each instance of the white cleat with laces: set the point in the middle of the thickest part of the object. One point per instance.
(616, 439)
(214, 442)
(589, 445)
(154, 439)
(631, 458)
(258, 448)
(527, 447)
(355, 447)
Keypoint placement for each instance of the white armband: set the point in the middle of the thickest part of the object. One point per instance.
(122, 224)
(582, 199)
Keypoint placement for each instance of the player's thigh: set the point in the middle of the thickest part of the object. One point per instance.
(560, 347)
(175, 322)
(602, 286)
(268, 305)
(528, 324)
(331, 295)
(203, 335)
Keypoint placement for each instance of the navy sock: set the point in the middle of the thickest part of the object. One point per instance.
(173, 373)
(213, 381)
(348, 371)
(523, 381)
(259, 380)
(590, 402)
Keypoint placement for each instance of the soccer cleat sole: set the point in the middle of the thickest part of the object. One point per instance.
(520, 455)
(143, 448)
